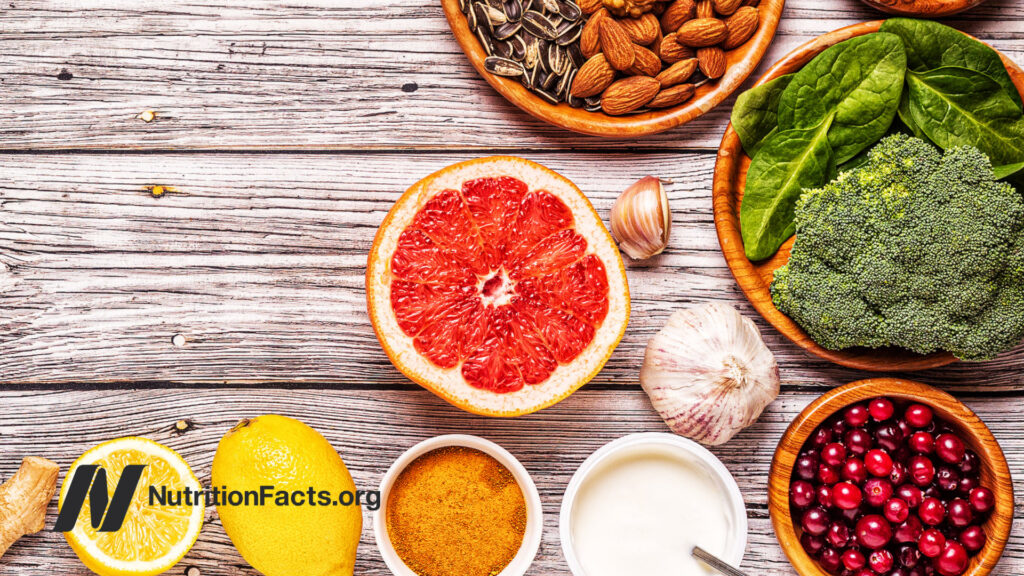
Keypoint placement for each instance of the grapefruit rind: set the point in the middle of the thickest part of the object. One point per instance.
(449, 383)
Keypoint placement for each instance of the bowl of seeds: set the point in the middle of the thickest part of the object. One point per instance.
(614, 68)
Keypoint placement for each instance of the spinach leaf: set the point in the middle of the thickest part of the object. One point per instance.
(1007, 170)
(787, 163)
(755, 116)
(961, 107)
(906, 119)
(931, 45)
(858, 82)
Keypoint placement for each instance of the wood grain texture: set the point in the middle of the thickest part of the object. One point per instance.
(551, 444)
(923, 8)
(336, 74)
(995, 473)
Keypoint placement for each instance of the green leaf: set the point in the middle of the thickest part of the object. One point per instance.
(787, 163)
(756, 113)
(858, 82)
(906, 119)
(1005, 171)
(960, 107)
(931, 45)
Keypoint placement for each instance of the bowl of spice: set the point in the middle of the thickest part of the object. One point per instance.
(458, 505)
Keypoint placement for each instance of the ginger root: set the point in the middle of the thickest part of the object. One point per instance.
(23, 500)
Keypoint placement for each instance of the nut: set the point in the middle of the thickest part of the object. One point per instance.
(631, 8)
(589, 6)
(677, 73)
(702, 32)
(629, 94)
(593, 77)
(642, 30)
(676, 14)
(673, 51)
(740, 26)
(711, 62)
(705, 9)
(672, 96)
(590, 38)
(727, 7)
(645, 63)
(615, 44)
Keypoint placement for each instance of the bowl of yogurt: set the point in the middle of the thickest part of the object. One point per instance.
(639, 504)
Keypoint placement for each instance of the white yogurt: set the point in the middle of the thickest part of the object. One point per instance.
(640, 511)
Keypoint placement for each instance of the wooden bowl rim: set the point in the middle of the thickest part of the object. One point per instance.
(600, 124)
(731, 158)
(918, 9)
(997, 527)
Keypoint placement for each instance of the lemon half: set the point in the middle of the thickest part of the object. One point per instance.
(152, 538)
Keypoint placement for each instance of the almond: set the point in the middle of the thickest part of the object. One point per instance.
(677, 73)
(629, 94)
(642, 30)
(645, 63)
(677, 12)
(590, 37)
(741, 26)
(590, 6)
(727, 7)
(702, 32)
(673, 51)
(615, 44)
(593, 77)
(711, 62)
(705, 9)
(672, 96)
(656, 45)
(751, 2)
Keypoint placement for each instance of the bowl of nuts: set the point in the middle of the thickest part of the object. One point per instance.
(614, 68)
(891, 477)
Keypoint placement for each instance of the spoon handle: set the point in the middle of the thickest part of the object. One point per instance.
(713, 561)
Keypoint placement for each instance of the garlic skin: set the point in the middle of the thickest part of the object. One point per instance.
(641, 219)
(708, 373)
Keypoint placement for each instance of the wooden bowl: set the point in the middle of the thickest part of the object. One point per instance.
(923, 8)
(754, 278)
(994, 472)
(741, 62)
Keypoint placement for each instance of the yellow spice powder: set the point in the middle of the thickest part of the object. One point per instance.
(456, 511)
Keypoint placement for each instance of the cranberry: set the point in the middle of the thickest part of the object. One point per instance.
(877, 491)
(812, 544)
(828, 474)
(821, 437)
(873, 531)
(829, 560)
(878, 463)
(982, 500)
(931, 543)
(966, 485)
(838, 428)
(850, 516)
(933, 491)
(905, 428)
(853, 559)
(910, 494)
(950, 448)
(973, 538)
(921, 442)
(881, 561)
(922, 471)
(815, 521)
(932, 512)
(960, 513)
(918, 415)
(909, 531)
(970, 466)
(833, 454)
(888, 436)
(801, 494)
(895, 510)
(953, 560)
(806, 467)
(854, 470)
(825, 497)
(947, 479)
(858, 441)
(899, 473)
(908, 555)
(838, 535)
(846, 496)
(881, 409)
(856, 415)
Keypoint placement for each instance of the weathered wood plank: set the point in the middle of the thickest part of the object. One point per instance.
(342, 75)
(258, 262)
(551, 444)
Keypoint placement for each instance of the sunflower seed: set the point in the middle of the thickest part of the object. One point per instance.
(538, 24)
(471, 18)
(502, 49)
(503, 66)
(518, 48)
(550, 6)
(532, 54)
(513, 10)
(547, 96)
(574, 101)
(568, 10)
(568, 33)
(507, 30)
(565, 83)
(576, 55)
(465, 6)
(557, 59)
(485, 40)
(495, 16)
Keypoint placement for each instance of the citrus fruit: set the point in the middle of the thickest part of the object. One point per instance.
(495, 285)
(304, 539)
(152, 538)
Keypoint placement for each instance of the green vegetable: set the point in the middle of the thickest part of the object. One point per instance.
(960, 107)
(755, 116)
(915, 249)
(787, 163)
(1008, 170)
(931, 45)
(858, 82)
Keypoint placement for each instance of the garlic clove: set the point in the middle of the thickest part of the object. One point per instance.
(708, 373)
(641, 219)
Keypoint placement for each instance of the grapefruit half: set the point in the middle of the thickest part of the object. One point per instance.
(494, 284)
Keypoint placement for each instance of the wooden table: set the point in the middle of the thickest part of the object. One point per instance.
(283, 133)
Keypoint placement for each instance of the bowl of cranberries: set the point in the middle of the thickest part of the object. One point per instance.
(888, 477)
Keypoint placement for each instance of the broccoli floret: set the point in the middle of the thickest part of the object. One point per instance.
(916, 249)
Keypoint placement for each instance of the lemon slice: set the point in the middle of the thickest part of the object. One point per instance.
(152, 538)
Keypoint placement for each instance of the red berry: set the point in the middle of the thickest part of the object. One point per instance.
(853, 559)
(896, 510)
(922, 471)
(833, 454)
(910, 494)
(858, 441)
(815, 521)
(825, 496)
(947, 479)
(873, 531)
(953, 560)
(877, 491)
(806, 467)
(950, 448)
(881, 409)
(973, 538)
(982, 500)
(931, 543)
(932, 512)
(878, 463)
(856, 415)
(921, 442)
(828, 474)
(909, 531)
(812, 544)
(881, 561)
(854, 470)
(801, 494)
(829, 560)
(918, 415)
(846, 496)
(959, 512)
(838, 535)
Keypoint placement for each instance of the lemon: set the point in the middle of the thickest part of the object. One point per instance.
(152, 538)
(287, 540)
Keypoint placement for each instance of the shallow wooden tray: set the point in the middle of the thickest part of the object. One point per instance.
(923, 8)
(741, 62)
(754, 278)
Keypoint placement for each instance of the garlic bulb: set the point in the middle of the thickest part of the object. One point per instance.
(641, 220)
(708, 373)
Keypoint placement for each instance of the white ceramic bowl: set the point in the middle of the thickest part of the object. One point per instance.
(534, 512)
(686, 448)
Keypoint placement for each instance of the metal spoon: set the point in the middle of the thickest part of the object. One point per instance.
(713, 561)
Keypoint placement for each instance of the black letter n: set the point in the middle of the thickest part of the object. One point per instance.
(92, 475)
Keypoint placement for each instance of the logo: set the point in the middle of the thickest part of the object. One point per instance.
(107, 513)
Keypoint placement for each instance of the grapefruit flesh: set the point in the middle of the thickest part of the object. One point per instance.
(499, 280)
